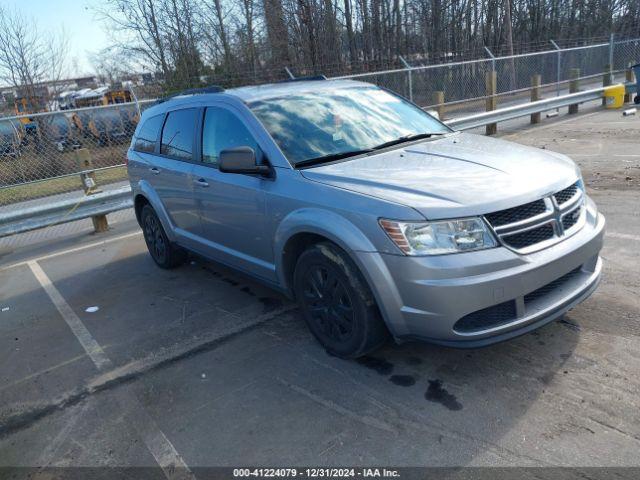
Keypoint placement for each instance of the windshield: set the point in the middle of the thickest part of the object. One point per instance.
(312, 125)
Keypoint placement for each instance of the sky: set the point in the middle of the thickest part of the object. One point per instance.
(85, 32)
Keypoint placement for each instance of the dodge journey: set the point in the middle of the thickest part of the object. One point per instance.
(375, 216)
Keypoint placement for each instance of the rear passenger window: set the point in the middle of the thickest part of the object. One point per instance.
(177, 134)
(222, 130)
(148, 134)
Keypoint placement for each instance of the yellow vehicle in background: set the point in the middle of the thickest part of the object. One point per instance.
(105, 126)
(104, 96)
(25, 105)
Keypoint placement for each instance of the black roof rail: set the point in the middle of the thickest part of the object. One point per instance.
(193, 91)
(304, 79)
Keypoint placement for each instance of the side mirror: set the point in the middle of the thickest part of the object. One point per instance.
(240, 160)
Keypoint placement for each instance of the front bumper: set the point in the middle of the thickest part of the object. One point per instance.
(427, 297)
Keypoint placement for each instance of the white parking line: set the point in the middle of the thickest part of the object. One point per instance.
(155, 440)
(89, 344)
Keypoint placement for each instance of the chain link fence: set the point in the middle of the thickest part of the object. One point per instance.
(460, 87)
(40, 153)
(54, 153)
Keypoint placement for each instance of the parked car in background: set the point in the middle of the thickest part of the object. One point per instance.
(105, 126)
(103, 96)
(11, 138)
(56, 129)
(378, 218)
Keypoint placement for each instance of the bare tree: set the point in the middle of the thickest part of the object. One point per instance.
(29, 57)
(252, 39)
(277, 34)
(248, 10)
(216, 31)
(110, 66)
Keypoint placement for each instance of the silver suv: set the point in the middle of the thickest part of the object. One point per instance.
(378, 218)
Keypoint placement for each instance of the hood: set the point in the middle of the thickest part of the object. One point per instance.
(456, 175)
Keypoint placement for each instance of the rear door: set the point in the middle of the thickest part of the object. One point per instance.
(170, 171)
(231, 206)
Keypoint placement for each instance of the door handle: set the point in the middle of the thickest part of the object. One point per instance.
(154, 170)
(201, 182)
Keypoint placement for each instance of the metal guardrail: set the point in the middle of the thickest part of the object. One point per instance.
(67, 210)
(525, 109)
(461, 81)
(101, 203)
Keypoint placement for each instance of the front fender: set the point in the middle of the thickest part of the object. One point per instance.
(326, 223)
(145, 189)
(352, 240)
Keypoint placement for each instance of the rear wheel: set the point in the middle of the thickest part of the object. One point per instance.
(163, 252)
(337, 304)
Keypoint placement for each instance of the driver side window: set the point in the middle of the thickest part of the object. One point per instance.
(222, 130)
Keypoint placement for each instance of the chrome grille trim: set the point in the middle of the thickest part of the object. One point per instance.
(517, 214)
(532, 222)
(555, 214)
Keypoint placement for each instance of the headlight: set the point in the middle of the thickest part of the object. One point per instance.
(437, 238)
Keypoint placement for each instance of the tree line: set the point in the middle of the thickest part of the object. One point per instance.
(240, 41)
(195, 42)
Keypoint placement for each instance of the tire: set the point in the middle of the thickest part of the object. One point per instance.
(637, 99)
(337, 303)
(162, 251)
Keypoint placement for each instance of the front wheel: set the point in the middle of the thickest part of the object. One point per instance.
(337, 303)
(163, 252)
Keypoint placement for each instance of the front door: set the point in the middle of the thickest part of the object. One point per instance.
(231, 206)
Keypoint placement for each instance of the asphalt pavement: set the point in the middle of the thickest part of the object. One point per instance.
(202, 366)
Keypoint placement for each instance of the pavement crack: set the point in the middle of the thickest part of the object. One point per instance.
(615, 429)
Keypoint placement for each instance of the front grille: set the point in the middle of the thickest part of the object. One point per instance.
(487, 317)
(529, 237)
(543, 221)
(516, 214)
(563, 196)
(552, 286)
(570, 219)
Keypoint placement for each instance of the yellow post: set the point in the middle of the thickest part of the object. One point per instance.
(536, 80)
(574, 87)
(438, 101)
(491, 82)
(88, 177)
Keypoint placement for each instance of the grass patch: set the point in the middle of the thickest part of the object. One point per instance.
(45, 188)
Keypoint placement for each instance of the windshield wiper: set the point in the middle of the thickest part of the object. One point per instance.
(404, 139)
(331, 157)
(337, 156)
